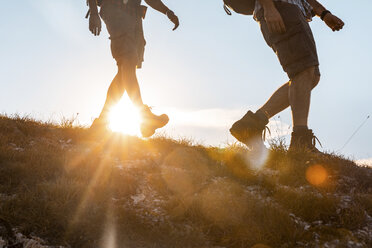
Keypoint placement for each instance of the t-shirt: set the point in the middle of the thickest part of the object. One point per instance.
(304, 6)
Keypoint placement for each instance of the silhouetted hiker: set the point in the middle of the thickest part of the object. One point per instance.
(123, 19)
(284, 25)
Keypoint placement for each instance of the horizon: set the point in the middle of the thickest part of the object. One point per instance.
(52, 66)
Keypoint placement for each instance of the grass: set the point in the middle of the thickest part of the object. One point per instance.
(72, 188)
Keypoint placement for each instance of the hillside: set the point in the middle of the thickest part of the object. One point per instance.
(62, 186)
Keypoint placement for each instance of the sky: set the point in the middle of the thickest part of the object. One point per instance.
(205, 75)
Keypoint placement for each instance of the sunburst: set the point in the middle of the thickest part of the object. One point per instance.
(125, 117)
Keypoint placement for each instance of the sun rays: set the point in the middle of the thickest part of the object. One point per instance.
(125, 118)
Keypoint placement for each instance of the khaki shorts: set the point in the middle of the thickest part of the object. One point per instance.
(295, 48)
(126, 33)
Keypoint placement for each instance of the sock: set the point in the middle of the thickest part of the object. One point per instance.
(300, 128)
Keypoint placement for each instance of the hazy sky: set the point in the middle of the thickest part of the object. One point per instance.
(206, 74)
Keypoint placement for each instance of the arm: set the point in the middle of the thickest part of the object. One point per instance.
(272, 16)
(317, 7)
(95, 25)
(332, 21)
(159, 6)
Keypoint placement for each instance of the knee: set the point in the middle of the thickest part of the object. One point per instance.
(315, 80)
(116, 88)
(316, 76)
(308, 78)
(126, 72)
(127, 68)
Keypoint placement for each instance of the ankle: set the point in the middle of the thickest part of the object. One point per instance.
(144, 108)
(262, 115)
(300, 128)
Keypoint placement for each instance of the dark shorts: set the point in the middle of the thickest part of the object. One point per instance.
(126, 33)
(295, 48)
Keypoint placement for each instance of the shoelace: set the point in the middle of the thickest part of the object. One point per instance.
(227, 10)
(264, 133)
(314, 139)
(147, 108)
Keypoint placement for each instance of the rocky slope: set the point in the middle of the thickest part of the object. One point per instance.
(62, 186)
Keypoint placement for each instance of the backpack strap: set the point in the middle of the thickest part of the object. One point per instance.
(88, 13)
(227, 10)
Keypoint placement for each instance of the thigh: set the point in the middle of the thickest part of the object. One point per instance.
(296, 49)
(122, 28)
(118, 21)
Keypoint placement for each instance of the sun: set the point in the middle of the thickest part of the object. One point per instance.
(125, 117)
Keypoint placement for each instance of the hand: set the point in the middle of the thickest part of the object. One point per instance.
(332, 21)
(274, 21)
(95, 25)
(173, 19)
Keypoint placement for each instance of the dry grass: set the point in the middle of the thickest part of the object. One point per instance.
(72, 188)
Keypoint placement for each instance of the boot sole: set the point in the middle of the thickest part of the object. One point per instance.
(249, 142)
(149, 130)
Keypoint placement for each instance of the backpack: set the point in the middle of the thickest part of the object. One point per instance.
(244, 7)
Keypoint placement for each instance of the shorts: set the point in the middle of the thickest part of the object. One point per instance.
(126, 33)
(296, 48)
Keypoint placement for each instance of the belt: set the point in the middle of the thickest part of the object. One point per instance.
(118, 2)
(142, 10)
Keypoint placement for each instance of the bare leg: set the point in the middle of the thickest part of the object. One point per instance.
(295, 93)
(278, 102)
(114, 94)
(125, 79)
(131, 85)
(299, 95)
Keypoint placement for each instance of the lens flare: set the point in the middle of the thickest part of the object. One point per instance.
(125, 117)
(109, 239)
(316, 175)
(258, 154)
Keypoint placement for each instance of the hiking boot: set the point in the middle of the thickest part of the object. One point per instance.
(303, 140)
(250, 128)
(151, 122)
